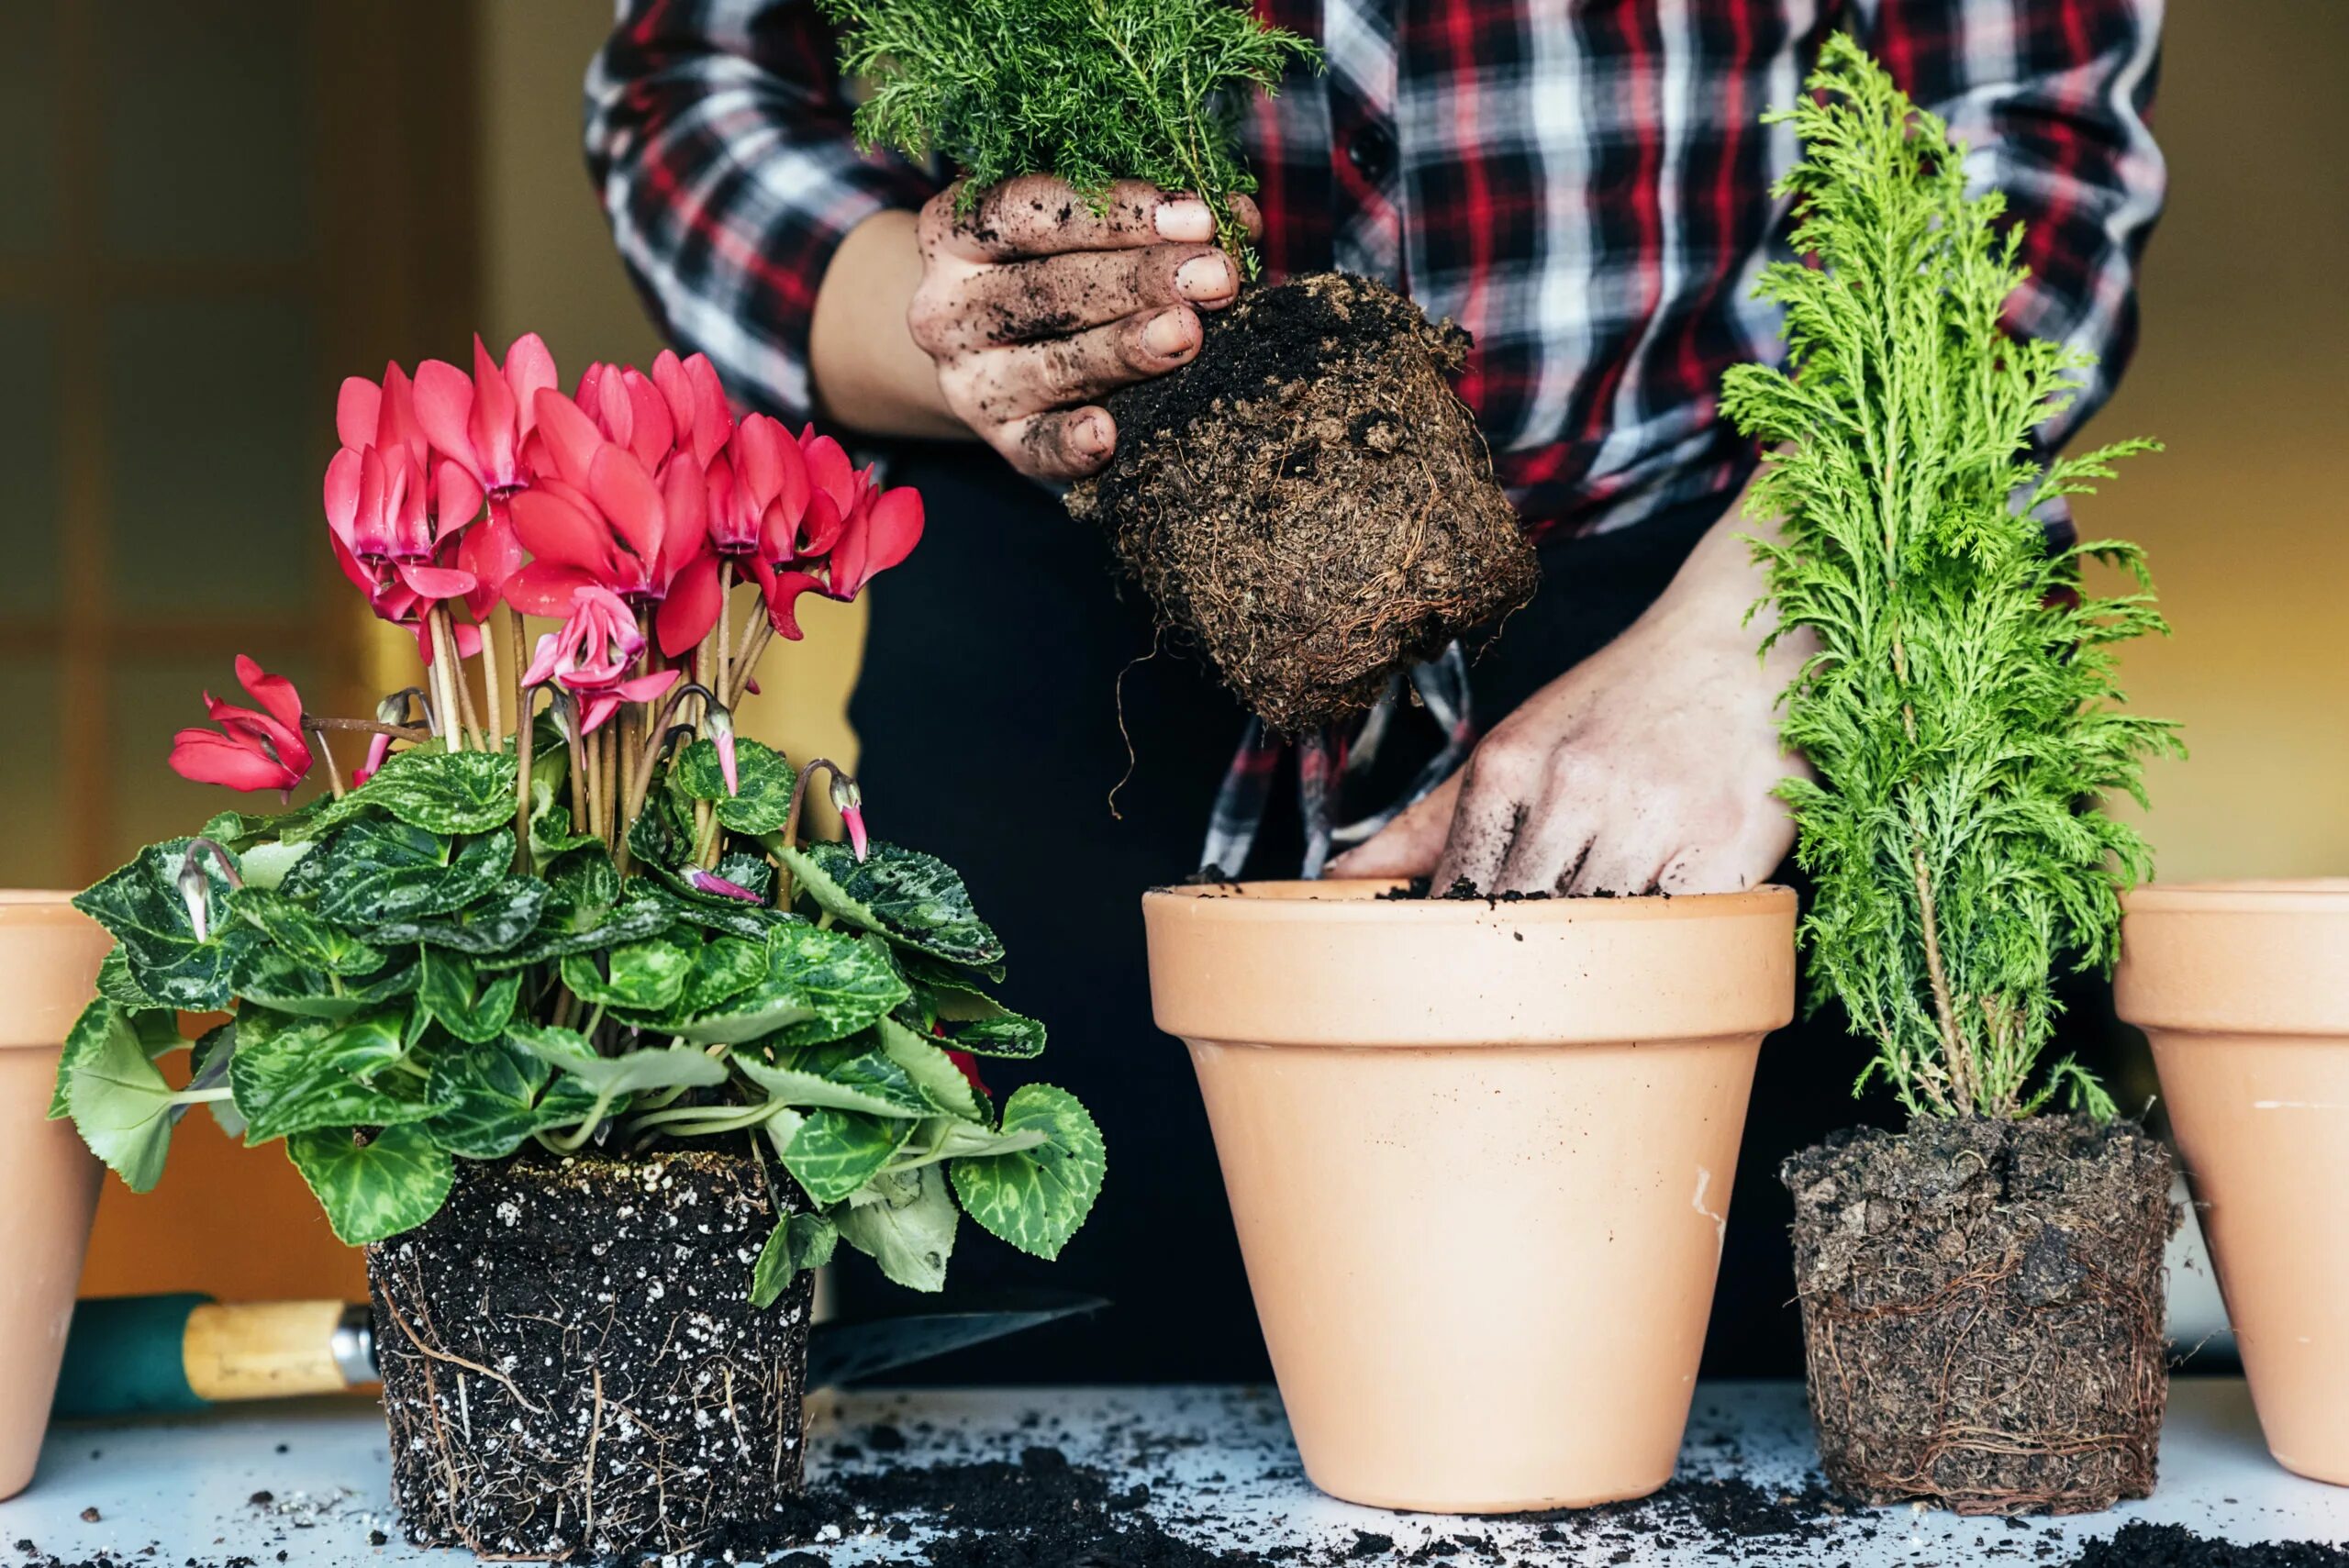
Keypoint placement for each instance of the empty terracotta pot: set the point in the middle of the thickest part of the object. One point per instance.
(2244, 989)
(50, 954)
(1479, 1156)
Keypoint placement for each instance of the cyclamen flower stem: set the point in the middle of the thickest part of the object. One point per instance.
(444, 677)
(567, 718)
(725, 619)
(408, 732)
(607, 790)
(791, 823)
(746, 661)
(493, 690)
(522, 739)
(325, 754)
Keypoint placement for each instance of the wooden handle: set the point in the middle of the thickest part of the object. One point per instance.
(262, 1350)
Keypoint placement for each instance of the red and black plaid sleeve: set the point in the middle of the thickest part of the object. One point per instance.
(719, 135)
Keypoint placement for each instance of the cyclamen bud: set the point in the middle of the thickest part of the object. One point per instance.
(709, 882)
(717, 722)
(196, 888)
(848, 801)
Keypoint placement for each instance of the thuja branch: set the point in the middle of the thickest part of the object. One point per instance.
(1088, 90)
(1960, 714)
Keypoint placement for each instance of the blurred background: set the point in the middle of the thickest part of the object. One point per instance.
(212, 210)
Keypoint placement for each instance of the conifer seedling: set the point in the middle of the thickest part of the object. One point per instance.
(1961, 713)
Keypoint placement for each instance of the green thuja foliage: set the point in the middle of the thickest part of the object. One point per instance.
(1090, 89)
(1960, 713)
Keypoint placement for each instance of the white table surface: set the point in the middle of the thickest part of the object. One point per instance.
(1220, 1463)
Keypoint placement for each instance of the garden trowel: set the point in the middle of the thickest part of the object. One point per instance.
(140, 1354)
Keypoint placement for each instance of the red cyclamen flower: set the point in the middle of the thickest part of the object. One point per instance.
(483, 422)
(592, 655)
(254, 748)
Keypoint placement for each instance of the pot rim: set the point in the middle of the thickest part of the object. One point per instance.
(2241, 895)
(38, 898)
(1358, 898)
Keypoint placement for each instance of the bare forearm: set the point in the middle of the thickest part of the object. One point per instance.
(867, 371)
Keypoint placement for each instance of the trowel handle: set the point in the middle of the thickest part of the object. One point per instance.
(134, 1353)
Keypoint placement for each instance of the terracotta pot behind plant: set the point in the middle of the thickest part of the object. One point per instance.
(49, 955)
(2244, 989)
(572, 1366)
(1479, 1156)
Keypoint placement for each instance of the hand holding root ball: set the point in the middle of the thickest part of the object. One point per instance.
(1036, 301)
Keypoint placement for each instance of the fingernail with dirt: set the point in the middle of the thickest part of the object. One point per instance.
(1170, 334)
(1091, 436)
(1186, 219)
(1204, 278)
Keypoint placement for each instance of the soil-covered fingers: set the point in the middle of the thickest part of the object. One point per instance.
(1502, 782)
(1410, 845)
(1035, 214)
(1062, 445)
(1020, 302)
(998, 385)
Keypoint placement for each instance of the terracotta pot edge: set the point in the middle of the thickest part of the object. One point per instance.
(1361, 900)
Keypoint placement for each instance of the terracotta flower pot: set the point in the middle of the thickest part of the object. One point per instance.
(50, 954)
(2244, 989)
(1480, 1157)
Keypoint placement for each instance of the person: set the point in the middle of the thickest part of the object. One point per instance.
(1586, 190)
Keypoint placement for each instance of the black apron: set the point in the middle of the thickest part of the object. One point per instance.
(989, 716)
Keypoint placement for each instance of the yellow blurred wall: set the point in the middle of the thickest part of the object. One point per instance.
(2239, 370)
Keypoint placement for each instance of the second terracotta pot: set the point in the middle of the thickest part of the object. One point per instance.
(50, 954)
(1480, 1157)
(2243, 988)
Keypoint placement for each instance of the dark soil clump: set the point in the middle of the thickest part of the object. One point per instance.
(572, 1365)
(1982, 1307)
(2140, 1545)
(1308, 500)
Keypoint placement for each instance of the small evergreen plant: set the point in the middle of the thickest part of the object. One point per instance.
(1960, 712)
(1091, 91)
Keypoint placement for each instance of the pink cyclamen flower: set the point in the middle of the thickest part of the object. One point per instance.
(598, 517)
(848, 800)
(702, 881)
(759, 490)
(697, 402)
(254, 748)
(591, 657)
(483, 422)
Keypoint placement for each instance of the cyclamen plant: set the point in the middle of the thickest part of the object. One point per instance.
(592, 925)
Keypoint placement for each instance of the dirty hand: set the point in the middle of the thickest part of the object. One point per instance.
(1033, 306)
(1648, 766)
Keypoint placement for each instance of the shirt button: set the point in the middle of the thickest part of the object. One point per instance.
(1371, 149)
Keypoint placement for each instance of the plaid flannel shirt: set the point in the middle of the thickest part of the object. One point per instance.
(1584, 186)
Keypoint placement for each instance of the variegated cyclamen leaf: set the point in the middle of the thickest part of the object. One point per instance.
(494, 1097)
(1036, 1198)
(296, 1075)
(940, 1082)
(914, 899)
(762, 804)
(820, 985)
(851, 1075)
(376, 872)
(449, 793)
(834, 1153)
(270, 977)
(643, 976)
(298, 932)
(450, 993)
(395, 1181)
(904, 1223)
(492, 925)
(117, 1100)
(141, 904)
(798, 1242)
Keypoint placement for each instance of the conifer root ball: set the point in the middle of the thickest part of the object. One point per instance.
(1983, 1310)
(1308, 501)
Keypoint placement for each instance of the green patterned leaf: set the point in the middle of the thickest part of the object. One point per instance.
(799, 1242)
(1036, 1198)
(376, 871)
(940, 1082)
(910, 897)
(644, 976)
(273, 978)
(668, 1067)
(446, 992)
(763, 804)
(495, 1095)
(449, 793)
(118, 1101)
(906, 1223)
(140, 904)
(240, 830)
(394, 1182)
(850, 1076)
(820, 985)
(118, 984)
(294, 1074)
(301, 936)
(834, 1153)
(491, 923)
(587, 908)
